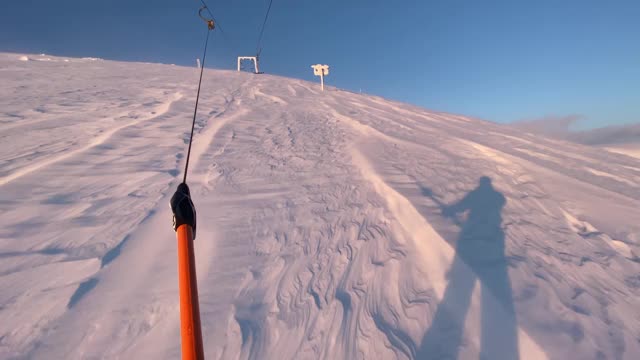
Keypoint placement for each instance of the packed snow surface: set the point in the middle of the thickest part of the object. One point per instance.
(331, 225)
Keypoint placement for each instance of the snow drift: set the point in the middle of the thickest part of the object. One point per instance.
(330, 225)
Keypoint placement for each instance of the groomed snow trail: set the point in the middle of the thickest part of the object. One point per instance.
(330, 225)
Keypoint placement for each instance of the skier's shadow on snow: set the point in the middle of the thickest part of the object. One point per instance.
(479, 256)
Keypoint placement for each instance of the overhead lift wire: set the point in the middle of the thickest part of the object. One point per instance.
(218, 25)
(211, 26)
(264, 23)
(206, 7)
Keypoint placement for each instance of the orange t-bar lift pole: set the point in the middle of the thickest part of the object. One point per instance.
(184, 221)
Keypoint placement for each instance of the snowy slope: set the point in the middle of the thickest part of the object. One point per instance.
(631, 150)
(621, 139)
(331, 225)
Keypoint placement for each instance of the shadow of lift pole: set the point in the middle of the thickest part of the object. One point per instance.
(481, 246)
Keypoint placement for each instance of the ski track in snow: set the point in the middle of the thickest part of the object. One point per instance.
(322, 224)
(99, 140)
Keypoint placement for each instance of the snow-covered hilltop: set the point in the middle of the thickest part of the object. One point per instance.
(330, 225)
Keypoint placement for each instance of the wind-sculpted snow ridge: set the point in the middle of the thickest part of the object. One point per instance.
(331, 225)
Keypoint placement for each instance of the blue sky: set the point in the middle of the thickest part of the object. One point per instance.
(497, 60)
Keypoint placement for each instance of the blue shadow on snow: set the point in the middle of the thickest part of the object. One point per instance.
(481, 246)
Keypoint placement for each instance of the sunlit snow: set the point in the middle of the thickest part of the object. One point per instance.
(331, 225)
